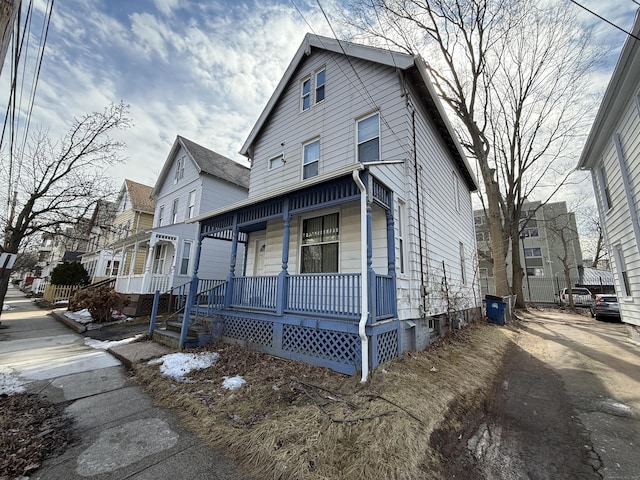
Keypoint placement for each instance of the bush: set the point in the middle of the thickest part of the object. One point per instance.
(100, 301)
(72, 273)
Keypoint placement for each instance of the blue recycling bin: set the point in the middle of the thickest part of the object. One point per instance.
(495, 309)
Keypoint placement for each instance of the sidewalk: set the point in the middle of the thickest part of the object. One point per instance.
(120, 434)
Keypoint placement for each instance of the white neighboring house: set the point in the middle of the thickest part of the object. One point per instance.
(193, 179)
(612, 154)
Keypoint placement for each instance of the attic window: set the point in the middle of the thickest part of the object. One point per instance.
(306, 94)
(179, 169)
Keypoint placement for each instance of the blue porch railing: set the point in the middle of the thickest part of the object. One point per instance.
(329, 294)
(385, 297)
(255, 292)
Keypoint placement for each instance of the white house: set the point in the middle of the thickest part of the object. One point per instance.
(612, 154)
(193, 179)
(358, 226)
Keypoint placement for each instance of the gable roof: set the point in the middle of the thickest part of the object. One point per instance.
(206, 161)
(413, 65)
(139, 196)
(624, 82)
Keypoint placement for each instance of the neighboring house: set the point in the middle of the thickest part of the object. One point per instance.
(125, 245)
(64, 245)
(359, 246)
(549, 235)
(97, 255)
(612, 154)
(193, 179)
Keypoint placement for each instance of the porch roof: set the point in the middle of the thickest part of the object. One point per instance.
(278, 192)
(131, 239)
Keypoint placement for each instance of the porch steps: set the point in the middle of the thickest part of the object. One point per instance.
(170, 335)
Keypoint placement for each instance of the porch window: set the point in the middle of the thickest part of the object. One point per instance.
(112, 268)
(174, 211)
(369, 139)
(320, 240)
(311, 158)
(306, 94)
(191, 204)
(320, 85)
(184, 261)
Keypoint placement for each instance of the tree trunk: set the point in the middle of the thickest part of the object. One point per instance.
(518, 272)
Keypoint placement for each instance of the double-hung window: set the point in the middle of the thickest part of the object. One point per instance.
(306, 94)
(179, 169)
(311, 158)
(369, 138)
(161, 216)
(604, 188)
(463, 269)
(174, 211)
(622, 271)
(320, 85)
(191, 204)
(184, 261)
(401, 234)
(320, 241)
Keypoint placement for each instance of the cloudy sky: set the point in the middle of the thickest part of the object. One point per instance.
(201, 69)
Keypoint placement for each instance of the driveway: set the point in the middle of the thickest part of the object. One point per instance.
(567, 406)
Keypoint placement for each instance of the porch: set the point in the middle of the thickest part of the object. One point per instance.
(321, 318)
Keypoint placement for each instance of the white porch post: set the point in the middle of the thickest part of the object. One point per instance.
(172, 270)
(146, 278)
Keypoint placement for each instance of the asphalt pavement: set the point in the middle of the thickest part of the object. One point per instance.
(120, 433)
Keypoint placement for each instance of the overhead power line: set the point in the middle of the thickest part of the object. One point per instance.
(605, 20)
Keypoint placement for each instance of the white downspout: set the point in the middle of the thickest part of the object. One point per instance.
(364, 275)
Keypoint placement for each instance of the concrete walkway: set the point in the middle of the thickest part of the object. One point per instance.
(120, 434)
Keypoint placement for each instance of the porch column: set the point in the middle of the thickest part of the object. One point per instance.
(193, 288)
(370, 273)
(146, 277)
(123, 257)
(391, 255)
(172, 270)
(281, 293)
(232, 265)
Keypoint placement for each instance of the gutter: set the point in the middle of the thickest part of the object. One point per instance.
(365, 280)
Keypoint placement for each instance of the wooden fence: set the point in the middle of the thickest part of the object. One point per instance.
(59, 293)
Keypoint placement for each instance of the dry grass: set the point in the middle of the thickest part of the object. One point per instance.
(294, 421)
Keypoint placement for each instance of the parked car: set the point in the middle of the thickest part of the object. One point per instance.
(605, 306)
(581, 297)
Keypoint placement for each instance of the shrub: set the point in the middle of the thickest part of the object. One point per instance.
(100, 301)
(71, 273)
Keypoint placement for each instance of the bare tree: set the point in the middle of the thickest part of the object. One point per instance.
(56, 183)
(513, 72)
(592, 234)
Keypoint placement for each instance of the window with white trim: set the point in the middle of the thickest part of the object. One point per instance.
(179, 173)
(463, 270)
(174, 211)
(456, 191)
(368, 133)
(186, 256)
(320, 76)
(112, 268)
(191, 204)
(320, 242)
(533, 252)
(604, 188)
(305, 94)
(402, 212)
(276, 162)
(622, 271)
(311, 158)
(161, 216)
(159, 256)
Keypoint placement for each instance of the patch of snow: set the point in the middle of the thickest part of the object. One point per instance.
(10, 384)
(6, 307)
(231, 383)
(105, 344)
(82, 316)
(177, 365)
